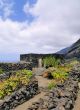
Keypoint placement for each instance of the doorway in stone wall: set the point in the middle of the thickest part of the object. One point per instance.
(39, 69)
(40, 63)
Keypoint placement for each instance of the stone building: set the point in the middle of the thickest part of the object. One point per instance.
(36, 59)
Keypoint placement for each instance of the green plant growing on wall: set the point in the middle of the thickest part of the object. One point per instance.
(51, 61)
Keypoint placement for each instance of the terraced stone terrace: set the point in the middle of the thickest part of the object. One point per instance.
(51, 88)
(60, 98)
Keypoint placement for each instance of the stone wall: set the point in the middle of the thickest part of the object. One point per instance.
(15, 66)
(34, 58)
(20, 96)
(6, 75)
(62, 97)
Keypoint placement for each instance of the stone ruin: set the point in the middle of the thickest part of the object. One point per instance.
(36, 59)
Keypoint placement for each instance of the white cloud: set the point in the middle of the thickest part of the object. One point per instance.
(6, 8)
(28, 7)
(57, 26)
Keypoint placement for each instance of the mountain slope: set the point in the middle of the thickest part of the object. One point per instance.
(74, 50)
(63, 51)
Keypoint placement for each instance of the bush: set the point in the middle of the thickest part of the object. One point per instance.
(28, 73)
(22, 77)
(1, 71)
(66, 68)
(51, 62)
(60, 73)
(51, 85)
(8, 86)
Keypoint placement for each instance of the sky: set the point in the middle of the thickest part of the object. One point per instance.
(37, 26)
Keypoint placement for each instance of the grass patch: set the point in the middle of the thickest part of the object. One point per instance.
(51, 85)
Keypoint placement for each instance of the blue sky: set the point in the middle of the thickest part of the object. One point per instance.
(37, 26)
(18, 13)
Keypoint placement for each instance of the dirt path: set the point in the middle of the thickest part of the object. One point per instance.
(77, 103)
(43, 83)
(27, 104)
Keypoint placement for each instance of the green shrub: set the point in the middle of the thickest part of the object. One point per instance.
(51, 61)
(1, 71)
(28, 73)
(8, 86)
(60, 74)
(1, 94)
(51, 85)
(22, 77)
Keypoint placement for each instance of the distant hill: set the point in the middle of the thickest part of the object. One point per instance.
(63, 51)
(74, 50)
(71, 52)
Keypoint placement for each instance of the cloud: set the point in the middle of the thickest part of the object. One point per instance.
(6, 8)
(57, 26)
(28, 7)
(60, 20)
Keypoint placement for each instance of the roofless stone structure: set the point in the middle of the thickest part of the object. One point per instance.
(35, 59)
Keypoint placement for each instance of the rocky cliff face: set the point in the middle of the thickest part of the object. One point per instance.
(74, 50)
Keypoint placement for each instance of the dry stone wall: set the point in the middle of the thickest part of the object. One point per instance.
(6, 75)
(15, 66)
(20, 96)
(62, 97)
